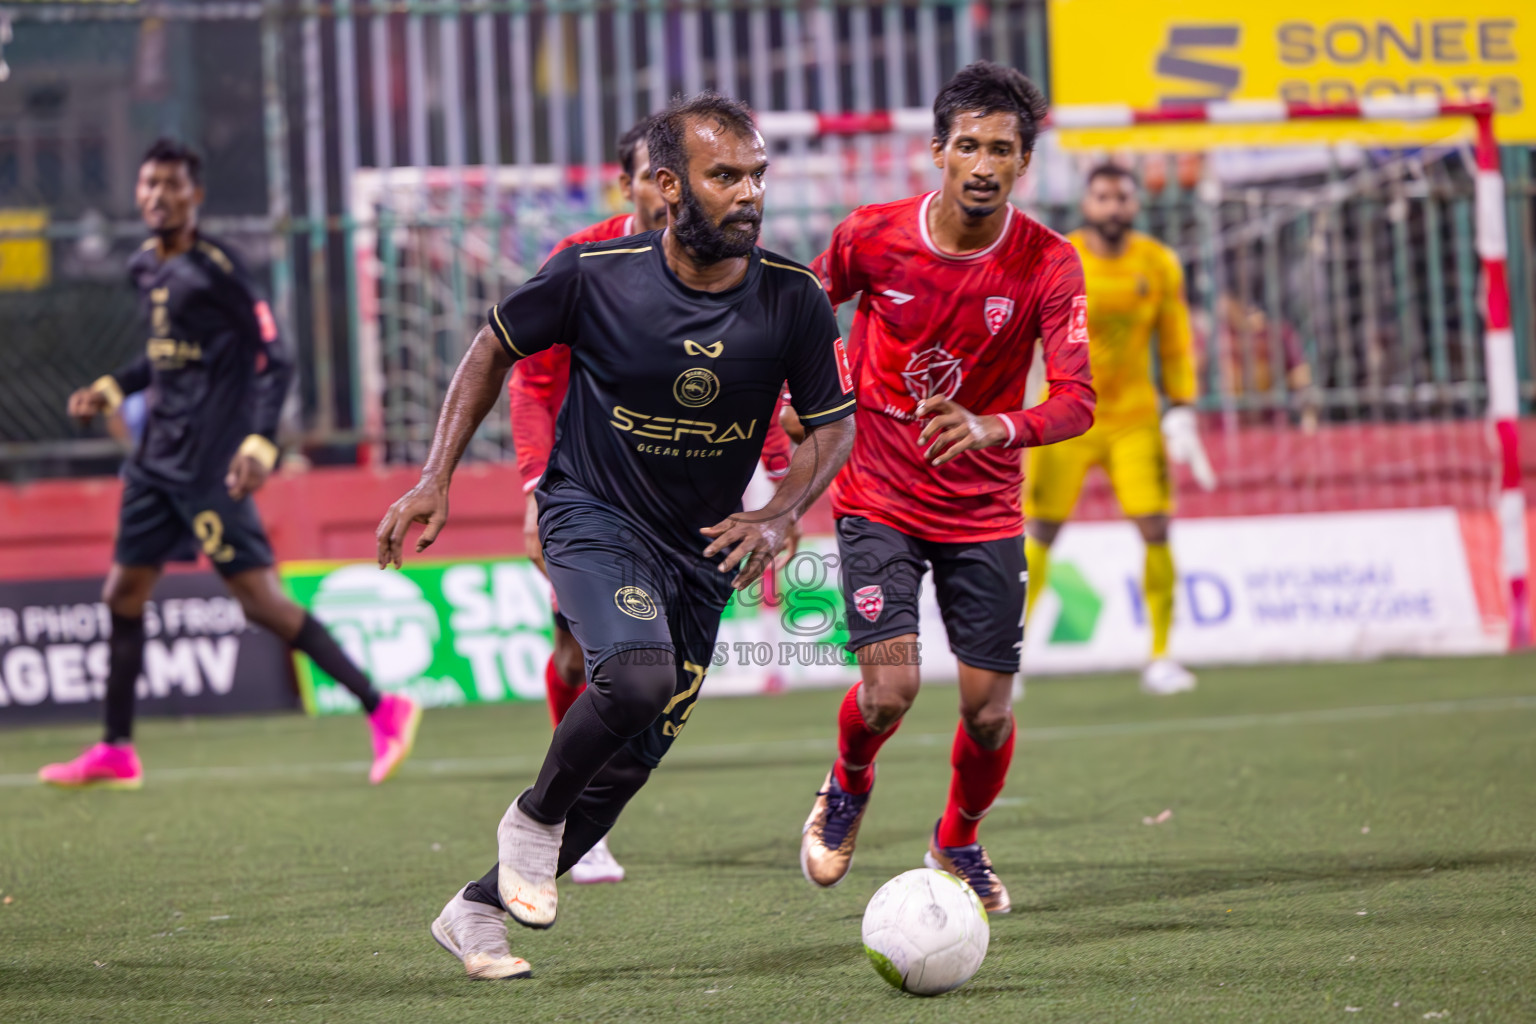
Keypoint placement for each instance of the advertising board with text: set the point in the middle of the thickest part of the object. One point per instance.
(1251, 589)
(1342, 586)
(1151, 56)
(201, 657)
(480, 632)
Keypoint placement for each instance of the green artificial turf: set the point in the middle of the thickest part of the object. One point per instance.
(1321, 862)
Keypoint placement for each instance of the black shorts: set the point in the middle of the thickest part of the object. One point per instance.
(980, 588)
(156, 526)
(623, 590)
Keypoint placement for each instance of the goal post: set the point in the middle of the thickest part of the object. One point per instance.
(1491, 239)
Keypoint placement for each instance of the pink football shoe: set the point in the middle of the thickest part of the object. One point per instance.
(393, 724)
(104, 765)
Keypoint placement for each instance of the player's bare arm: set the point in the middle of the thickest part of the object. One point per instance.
(754, 539)
(531, 545)
(789, 422)
(476, 386)
(106, 393)
(791, 547)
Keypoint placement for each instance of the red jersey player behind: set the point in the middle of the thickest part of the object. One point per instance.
(956, 287)
(537, 388)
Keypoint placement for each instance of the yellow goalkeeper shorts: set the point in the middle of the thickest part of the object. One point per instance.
(1131, 455)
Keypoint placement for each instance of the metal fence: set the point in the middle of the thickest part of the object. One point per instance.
(395, 166)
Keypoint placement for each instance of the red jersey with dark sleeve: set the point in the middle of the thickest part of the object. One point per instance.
(538, 383)
(929, 323)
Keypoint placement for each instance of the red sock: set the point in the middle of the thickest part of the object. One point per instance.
(857, 745)
(977, 780)
(561, 696)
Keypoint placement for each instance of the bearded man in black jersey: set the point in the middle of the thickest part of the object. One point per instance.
(216, 373)
(680, 340)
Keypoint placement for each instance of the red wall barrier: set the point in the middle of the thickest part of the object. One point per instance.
(57, 529)
(63, 528)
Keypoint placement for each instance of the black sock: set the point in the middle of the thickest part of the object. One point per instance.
(124, 663)
(316, 641)
(485, 891)
(623, 699)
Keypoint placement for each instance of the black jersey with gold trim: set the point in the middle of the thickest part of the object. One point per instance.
(673, 389)
(214, 365)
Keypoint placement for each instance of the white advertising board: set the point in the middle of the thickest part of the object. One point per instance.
(1251, 589)
(1341, 585)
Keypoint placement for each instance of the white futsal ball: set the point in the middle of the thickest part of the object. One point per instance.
(926, 932)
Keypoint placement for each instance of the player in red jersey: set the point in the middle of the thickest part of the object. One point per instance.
(537, 388)
(956, 287)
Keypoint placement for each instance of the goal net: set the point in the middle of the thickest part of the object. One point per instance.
(1352, 323)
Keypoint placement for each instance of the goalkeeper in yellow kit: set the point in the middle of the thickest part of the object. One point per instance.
(1135, 288)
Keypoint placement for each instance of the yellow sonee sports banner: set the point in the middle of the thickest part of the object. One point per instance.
(1148, 55)
(25, 263)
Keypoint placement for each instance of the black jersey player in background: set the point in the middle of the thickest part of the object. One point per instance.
(216, 374)
(680, 341)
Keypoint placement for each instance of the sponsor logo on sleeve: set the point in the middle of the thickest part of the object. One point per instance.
(845, 373)
(1077, 334)
(266, 321)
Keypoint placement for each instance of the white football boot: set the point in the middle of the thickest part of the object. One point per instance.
(528, 855)
(597, 865)
(476, 933)
(1165, 676)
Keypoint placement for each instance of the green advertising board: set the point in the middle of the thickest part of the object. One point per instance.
(446, 633)
(480, 631)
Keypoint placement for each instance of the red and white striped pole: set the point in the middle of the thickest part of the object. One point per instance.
(1491, 240)
(1503, 378)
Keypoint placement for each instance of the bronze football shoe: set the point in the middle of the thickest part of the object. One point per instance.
(972, 865)
(826, 844)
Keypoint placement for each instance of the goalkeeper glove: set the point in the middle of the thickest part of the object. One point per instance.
(1182, 441)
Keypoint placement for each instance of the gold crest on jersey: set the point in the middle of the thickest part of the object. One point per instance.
(635, 603)
(696, 387)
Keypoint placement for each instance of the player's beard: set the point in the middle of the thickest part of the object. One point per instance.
(708, 242)
(1111, 229)
(169, 227)
(995, 198)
